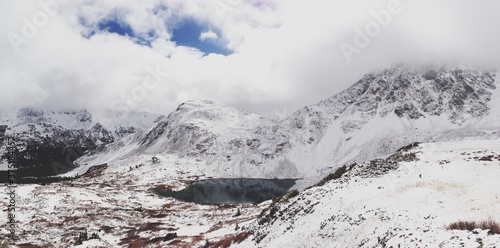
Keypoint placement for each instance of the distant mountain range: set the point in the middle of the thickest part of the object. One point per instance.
(48, 141)
(380, 113)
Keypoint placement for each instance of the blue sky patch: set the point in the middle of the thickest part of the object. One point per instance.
(187, 33)
(114, 25)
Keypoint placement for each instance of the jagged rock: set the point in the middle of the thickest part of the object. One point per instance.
(84, 116)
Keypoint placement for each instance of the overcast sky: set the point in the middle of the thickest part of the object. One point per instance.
(267, 56)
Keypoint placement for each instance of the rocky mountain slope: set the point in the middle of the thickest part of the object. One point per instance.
(380, 113)
(397, 106)
(48, 141)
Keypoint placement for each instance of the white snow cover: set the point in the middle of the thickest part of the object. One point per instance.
(407, 207)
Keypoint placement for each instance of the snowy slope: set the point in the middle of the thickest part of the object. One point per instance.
(408, 205)
(232, 142)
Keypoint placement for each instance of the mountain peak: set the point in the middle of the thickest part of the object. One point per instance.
(457, 92)
(195, 105)
(84, 116)
(413, 93)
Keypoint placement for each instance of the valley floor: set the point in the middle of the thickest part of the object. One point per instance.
(114, 203)
(371, 205)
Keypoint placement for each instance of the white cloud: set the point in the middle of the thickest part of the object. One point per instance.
(287, 52)
(209, 35)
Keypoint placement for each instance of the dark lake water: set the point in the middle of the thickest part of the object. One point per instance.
(230, 190)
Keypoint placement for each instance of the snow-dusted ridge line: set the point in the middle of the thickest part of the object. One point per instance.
(380, 113)
(66, 133)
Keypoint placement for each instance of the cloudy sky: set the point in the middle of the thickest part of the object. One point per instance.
(267, 56)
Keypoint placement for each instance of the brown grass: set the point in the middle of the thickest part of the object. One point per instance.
(228, 240)
(223, 243)
(94, 171)
(168, 205)
(150, 226)
(134, 241)
(26, 245)
(197, 238)
(240, 237)
(215, 227)
(159, 214)
(175, 243)
(107, 229)
(492, 226)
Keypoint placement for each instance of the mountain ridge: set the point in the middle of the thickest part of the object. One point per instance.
(350, 126)
(48, 142)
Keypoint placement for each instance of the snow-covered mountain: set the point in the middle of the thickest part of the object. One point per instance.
(45, 137)
(233, 142)
(397, 106)
(377, 115)
(380, 189)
